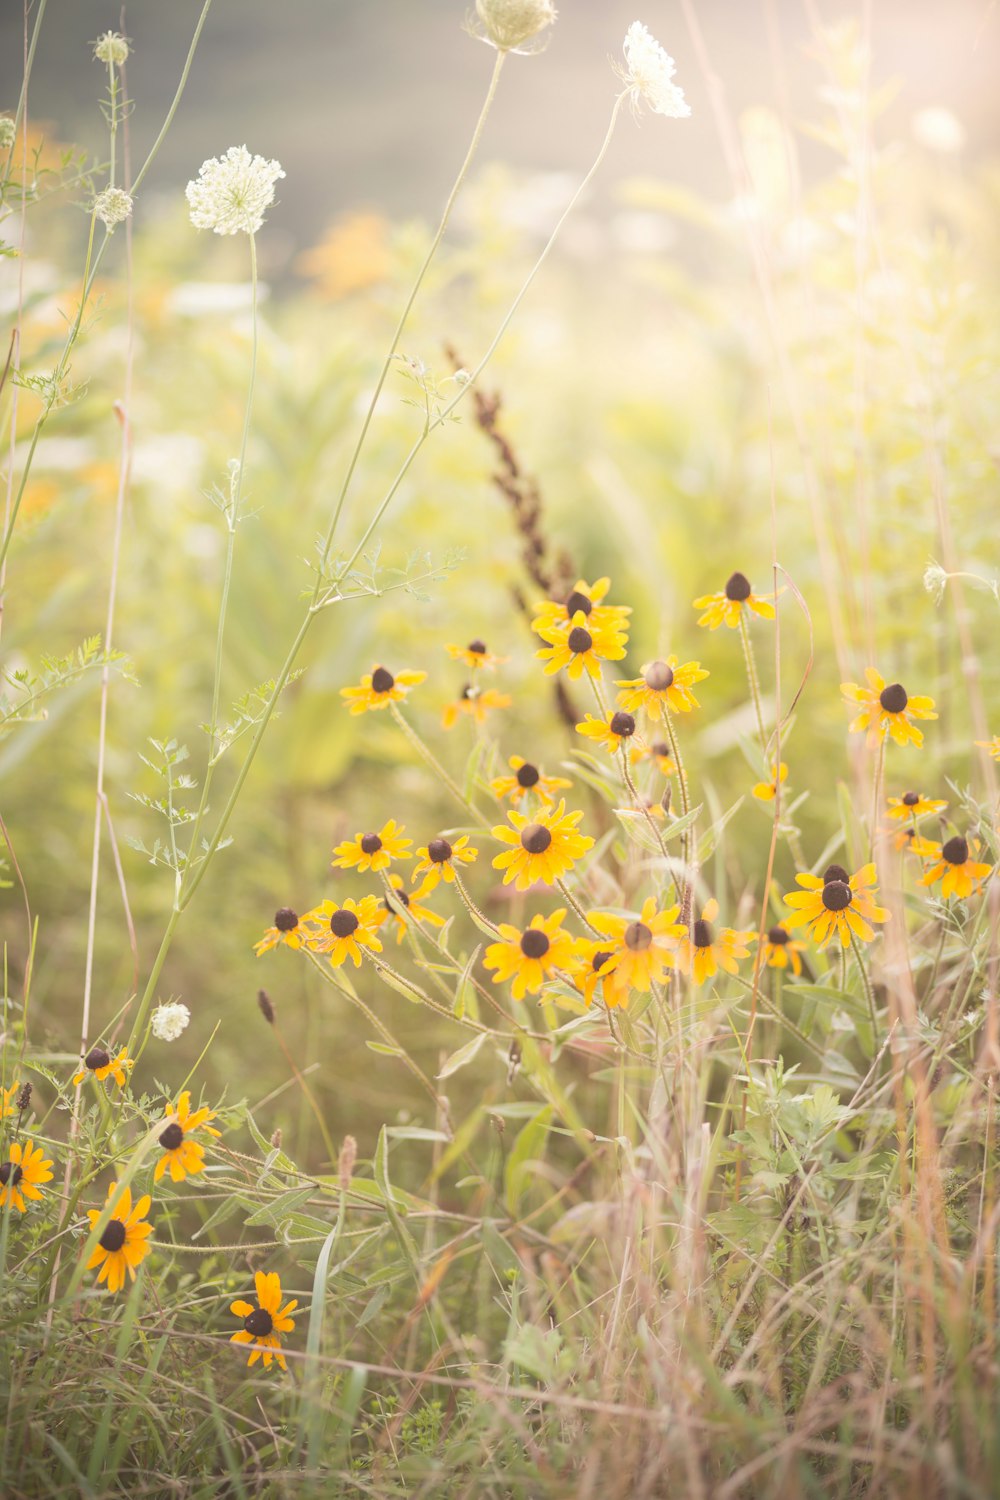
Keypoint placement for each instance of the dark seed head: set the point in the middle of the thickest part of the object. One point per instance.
(534, 943)
(893, 698)
(477, 647)
(527, 775)
(370, 843)
(536, 838)
(637, 937)
(113, 1237)
(622, 724)
(837, 895)
(778, 937)
(578, 604)
(24, 1098)
(702, 933)
(659, 676)
(171, 1138)
(439, 850)
(661, 748)
(835, 872)
(343, 923)
(96, 1058)
(956, 850)
(382, 681)
(910, 799)
(285, 919)
(738, 588)
(259, 1323)
(579, 640)
(599, 959)
(265, 1006)
(10, 1173)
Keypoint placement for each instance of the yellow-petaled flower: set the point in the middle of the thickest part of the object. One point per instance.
(959, 874)
(399, 904)
(595, 964)
(289, 928)
(706, 950)
(380, 688)
(903, 839)
(183, 1156)
(914, 805)
(438, 859)
(122, 1244)
(641, 950)
(586, 599)
(22, 1174)
(527, 778)
(659, 753)
(530, 955)
(727, 608)
(993, 746)
(342, 931)
(664, 685)
(887, 710)
(475, 655)
(766, 791)
(263, 1323)
(614, 732)
(579, 647)
(7, 1100)
(836, 904)
(103, 1064)
(373, 851)
(543, 850)
(781, 950)
(475, 703)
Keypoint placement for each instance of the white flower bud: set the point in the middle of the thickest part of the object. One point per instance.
(112, 47)
(232, 192)
(649, 73)
(509, 24)
(170, 1020)
(7, 132)
(113, 206)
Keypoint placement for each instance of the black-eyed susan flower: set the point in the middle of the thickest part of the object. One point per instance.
(438, 860)
(379, 688)
(474, 703)
(530, 955)
(993, 746)
(289, 928)
(766, 791)
(594, 966)
(263, 1323)
(613, 732)
(959, 874)
(663, 686)
(527, 778)
(781, 951)
(543, 850)
(836, 904)
(122, 1245)
(22, 1175)
(585, 599)
(373, 851)
(641, 950)
(903, 839)
(342, 931)
(709, 949)
(399, 904)
(579, 647)
(914, 805)
(658, 752)
(103, 1064)
(728, 607)
(183, 1156)
(475, 655)
(887, 710)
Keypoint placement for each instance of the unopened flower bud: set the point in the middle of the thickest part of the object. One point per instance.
(24, 1098)
(509, 24)
(345, 1162)
(112, 47)
(7, 132)
(266, 1008)
(276, 1140)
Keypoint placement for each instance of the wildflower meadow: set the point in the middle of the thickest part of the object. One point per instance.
(500, 772)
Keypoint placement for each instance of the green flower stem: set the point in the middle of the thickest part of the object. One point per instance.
(687, 837)
(23, 96)
(876, 793)
(428, 756)
(477, 915)
(567, 895)
(753, 680)
(866, 984)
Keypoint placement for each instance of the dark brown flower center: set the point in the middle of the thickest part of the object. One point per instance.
(659, 676)
(661, 748)
(910, 799)
(837, 895)
(536, 838)
(637, 937)
(96, 1058)
(171, 1138)
(285, 919)
(578, 604)
(835, 872)
(778, 936)
(956, 850)
(467, 692)
(477, 647)
(259, 1323)
(113, 1237)
(534, 943)
(579, 640)
(527, 775)
(599, 959)
(438, 851)
(343, 923)
(893, 698)
(738, 588)
(622, 724)
(10, 1173)
(382, 681)
(702, 933)
(370, 843)
(399, 898)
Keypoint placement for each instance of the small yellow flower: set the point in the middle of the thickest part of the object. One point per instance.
(766, 791)
(475, 655)
(959, 874)
(529, 956)
(527, 778)
(475, 703)
(438, 860)
(586, 599)
(781, 951)
(373, 851)
(642, 950)
(595, 965)
(664, 685)
(727, 608)
(613, 732)
(904, 839)
(183, 1156)
(993, 746)
(22, 1174)
(658, 753)
(7, 1100)
(887, 710)
(345, 930)
(543, 850)
(914, 805)
(379, 688)
(122, 1246)
(102, 1064)
(399, 904)
(836, 904)
(579, 647)
(707, 951)
(289, 928)
(263, 1323)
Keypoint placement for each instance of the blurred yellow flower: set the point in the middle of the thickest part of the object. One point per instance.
(960, 875)
(527, 778)
(766, 791)
(663, 685)
(352, 256)
(887, 710)
(474, 702)
(379, 688)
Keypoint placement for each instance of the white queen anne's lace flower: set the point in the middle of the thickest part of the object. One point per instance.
(113, 206)
(170, 1020)
(649, 73)
(112, 47)
(509, 25)
(232, 192)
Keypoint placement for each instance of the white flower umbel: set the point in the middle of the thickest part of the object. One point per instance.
(113, 206)
(112, 47)
(509, 24)
(170, 1020)
(232, 192)
(649, 73)
(7, 132)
